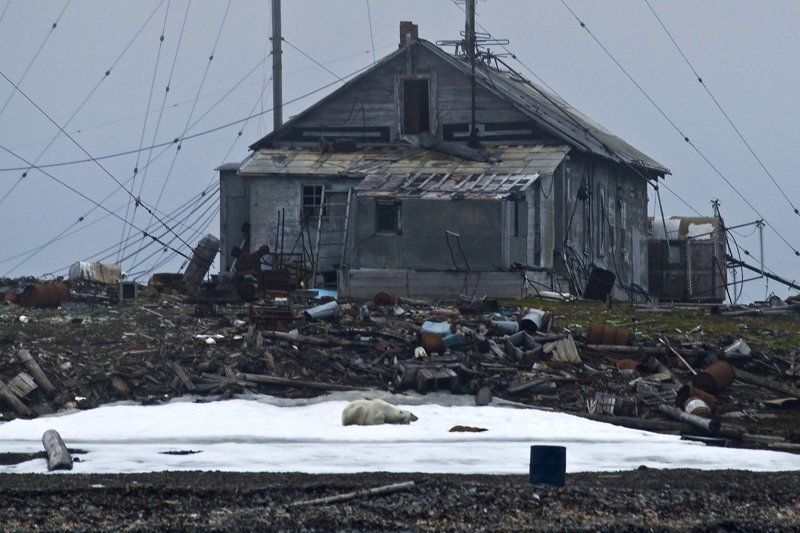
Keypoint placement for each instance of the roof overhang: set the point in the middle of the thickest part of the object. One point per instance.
(403, 160)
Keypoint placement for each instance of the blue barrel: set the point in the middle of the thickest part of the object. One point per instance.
(548, 465)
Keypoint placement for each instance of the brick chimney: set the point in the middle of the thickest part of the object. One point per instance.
(408, 32)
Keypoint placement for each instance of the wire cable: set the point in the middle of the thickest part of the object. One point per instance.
(175, 140)
(78, 192)
(123, 187)
(680, 132)
(371, 37)
(144, 124)
(36, 55)
(320, 65)
(81, 106)
(720, 108)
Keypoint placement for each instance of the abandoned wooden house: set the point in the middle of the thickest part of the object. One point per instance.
(403, 181)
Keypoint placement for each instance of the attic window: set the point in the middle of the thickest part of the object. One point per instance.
(388, 217)
(416, 107)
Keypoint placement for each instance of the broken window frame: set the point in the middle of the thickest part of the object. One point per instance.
(386, 211)
(312, 202)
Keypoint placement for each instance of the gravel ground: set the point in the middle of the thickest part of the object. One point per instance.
(641, 500)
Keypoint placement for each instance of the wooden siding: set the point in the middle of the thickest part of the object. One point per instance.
(365, 283)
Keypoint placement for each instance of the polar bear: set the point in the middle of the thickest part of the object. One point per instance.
(373, 412)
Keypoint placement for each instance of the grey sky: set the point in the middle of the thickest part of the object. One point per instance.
(745, 51)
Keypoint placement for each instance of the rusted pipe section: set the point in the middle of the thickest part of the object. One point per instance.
(45, 294)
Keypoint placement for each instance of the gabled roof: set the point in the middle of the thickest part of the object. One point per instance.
(548, 110)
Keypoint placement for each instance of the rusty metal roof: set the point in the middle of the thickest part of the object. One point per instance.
(401, 160)
(446, 186)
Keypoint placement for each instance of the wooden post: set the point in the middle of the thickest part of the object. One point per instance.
(58, 457)
(36, 371)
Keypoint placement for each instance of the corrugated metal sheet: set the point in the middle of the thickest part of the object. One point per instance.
(403, 161)
(446, 186)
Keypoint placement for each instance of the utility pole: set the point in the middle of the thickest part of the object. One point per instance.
(277, 67)
(469, 38)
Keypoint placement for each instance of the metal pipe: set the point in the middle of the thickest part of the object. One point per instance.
(769, 275)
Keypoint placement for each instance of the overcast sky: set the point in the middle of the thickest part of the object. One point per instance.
(745, 51)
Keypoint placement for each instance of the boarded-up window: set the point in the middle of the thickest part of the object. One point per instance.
(388, 217)
(416, 107)
(312, 201)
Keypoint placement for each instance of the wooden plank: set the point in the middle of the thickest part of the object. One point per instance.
(22, 384)
(13, 400)
(184, 377)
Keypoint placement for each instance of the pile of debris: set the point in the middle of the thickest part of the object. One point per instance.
(80, 344)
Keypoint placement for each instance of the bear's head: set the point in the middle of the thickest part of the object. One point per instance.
(406, 417)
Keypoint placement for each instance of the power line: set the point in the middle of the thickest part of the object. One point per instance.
(719, 106)
(371, 38)
(36, 55)
(149, 210)
(82, 104)
(144, 124)
(320, 65)
(79, 193)
(671, 122)
(186, 137)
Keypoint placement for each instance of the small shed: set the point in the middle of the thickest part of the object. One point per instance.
(687, 259)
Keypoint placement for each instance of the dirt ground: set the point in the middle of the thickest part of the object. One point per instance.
(640, 500)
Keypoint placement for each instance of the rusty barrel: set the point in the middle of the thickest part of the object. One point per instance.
(697, 407)
(608, 335)
(688, 392)
(715, 378)
(45, 294)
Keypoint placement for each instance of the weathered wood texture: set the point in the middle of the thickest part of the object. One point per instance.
(58, 457)
(365, 283)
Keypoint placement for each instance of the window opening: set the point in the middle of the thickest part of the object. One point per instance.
(312, 201)
(416, 107)
(388, 217)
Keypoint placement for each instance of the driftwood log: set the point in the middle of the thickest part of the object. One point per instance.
(58, 457)
(33, 367)
(275, 380)
(386, 489)
(753, 379)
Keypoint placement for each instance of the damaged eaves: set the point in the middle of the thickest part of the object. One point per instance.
(406, 160)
